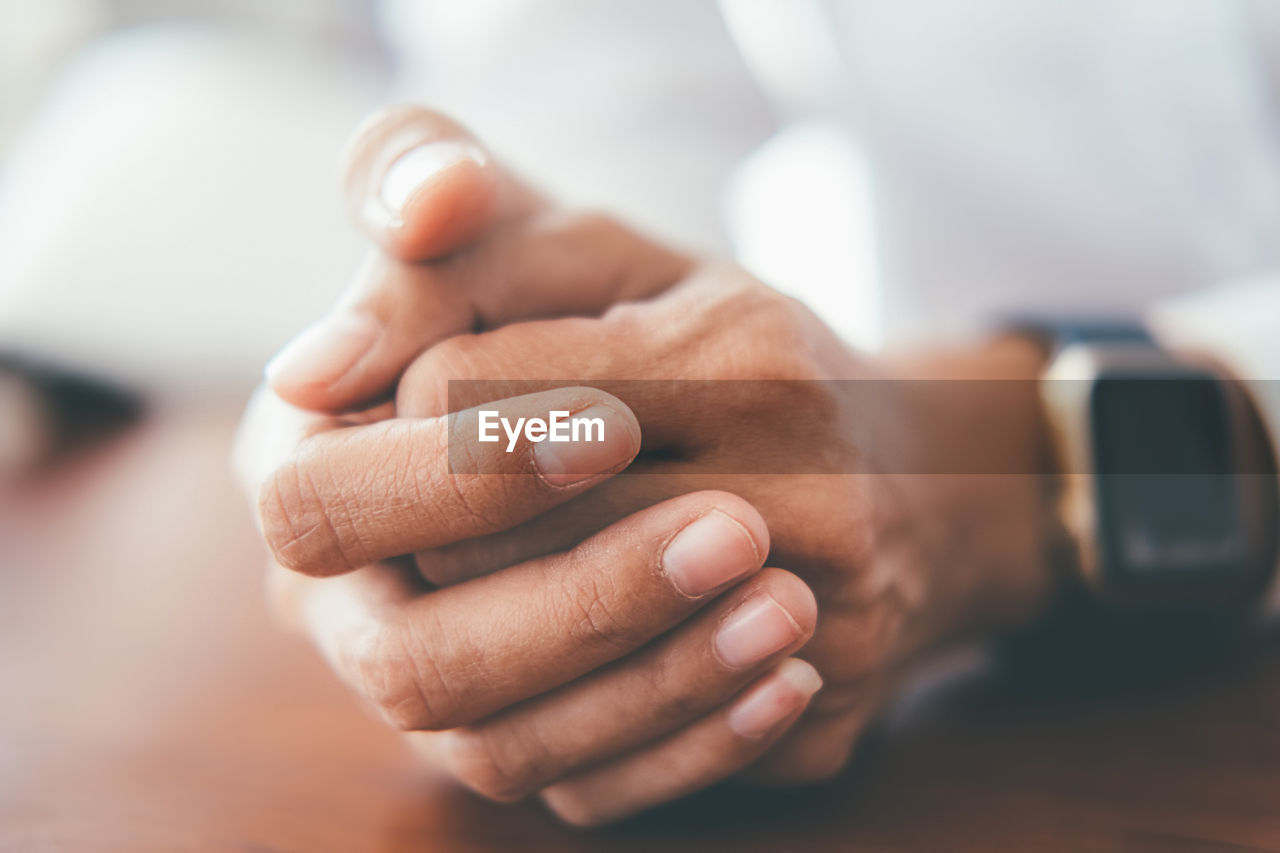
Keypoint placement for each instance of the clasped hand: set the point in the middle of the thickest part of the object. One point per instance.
(610, 624)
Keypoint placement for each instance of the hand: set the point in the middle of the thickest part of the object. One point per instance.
(655, 644)
(466, 246)
(402, 307)
(652, 670)
(901, 561)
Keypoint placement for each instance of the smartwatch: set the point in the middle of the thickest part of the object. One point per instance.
(1164, 498)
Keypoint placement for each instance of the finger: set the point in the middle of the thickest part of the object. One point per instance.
(272, 428)
(561, 527)
(422, 186)
(554, 265)
(638, 340)
(427, 191)
(646, 482)
(521, 358)
(706, 752)
(348, 497)
(456, 655)
(662, 687)
(821, 743)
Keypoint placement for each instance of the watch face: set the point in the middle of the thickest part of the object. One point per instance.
(1168, 498)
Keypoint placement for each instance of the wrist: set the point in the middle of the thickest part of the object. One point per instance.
(976, 504)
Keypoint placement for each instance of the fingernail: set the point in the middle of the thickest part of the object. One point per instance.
(323, 353)
(776, 699)
(757, 629)
(708, 553)
(415, 169)
(567, 462)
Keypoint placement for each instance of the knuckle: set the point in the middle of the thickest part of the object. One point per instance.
(296, 524)
(402, 680)
(491, 764)
(476, 363)
(674, 698)
(424, 388)
(627, 321)
(784, 343)
(478, 510)
(770, 335)
(592, 621)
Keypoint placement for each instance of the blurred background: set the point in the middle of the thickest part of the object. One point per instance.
(169, 210)
(169, 206)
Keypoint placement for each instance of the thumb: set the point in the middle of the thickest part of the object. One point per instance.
(422, 186)
(468, 248)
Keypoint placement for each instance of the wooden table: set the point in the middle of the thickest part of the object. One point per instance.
(149, 704)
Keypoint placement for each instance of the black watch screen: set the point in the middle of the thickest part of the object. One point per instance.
(1167, 492)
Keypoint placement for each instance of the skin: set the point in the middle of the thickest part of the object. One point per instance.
(472, 609)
